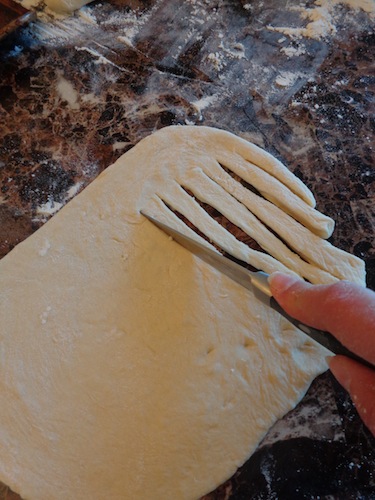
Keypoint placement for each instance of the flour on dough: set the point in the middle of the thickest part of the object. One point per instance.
(130, 369)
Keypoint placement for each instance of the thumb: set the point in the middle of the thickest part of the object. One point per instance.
(344, 309)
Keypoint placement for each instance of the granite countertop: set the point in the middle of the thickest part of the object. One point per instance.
(76, 93)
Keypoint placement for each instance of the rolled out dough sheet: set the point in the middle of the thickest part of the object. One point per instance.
(128, 368)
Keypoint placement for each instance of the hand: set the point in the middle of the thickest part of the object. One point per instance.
(348, 312)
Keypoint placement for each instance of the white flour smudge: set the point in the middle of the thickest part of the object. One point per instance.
(68, 93)
(44, 211)
(321, 18)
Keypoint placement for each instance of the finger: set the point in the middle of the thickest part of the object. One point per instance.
(344, 309)
(359, 381)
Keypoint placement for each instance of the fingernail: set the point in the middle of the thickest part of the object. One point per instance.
(280, 282)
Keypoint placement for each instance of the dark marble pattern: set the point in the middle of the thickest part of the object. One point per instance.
(12, 16)
(77, 93)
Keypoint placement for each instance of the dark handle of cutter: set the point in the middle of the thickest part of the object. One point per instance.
(324, 338)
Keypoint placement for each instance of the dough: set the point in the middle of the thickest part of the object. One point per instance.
(129, 369)
(65, 6)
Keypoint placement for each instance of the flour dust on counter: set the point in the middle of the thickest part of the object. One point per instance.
(322, 17)
(131, 365)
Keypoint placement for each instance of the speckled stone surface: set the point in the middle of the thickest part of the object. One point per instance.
(77, 93)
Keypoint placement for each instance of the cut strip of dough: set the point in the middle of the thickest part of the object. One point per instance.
(300, 238)
(279, 194)
(214, 195)
(180, 201)
(236, 147)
